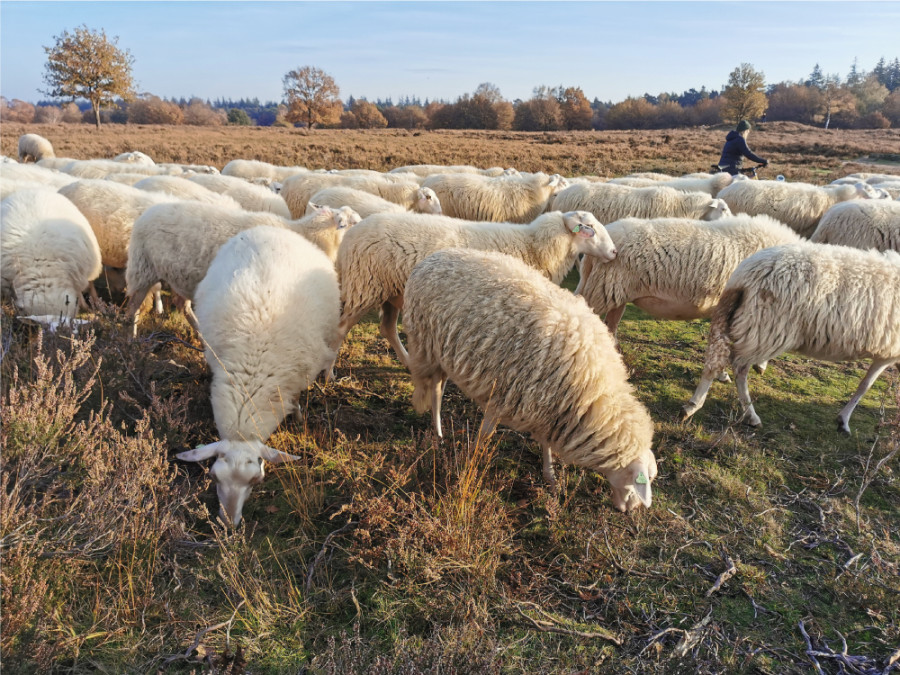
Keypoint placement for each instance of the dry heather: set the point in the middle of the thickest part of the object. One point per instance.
(772, 550)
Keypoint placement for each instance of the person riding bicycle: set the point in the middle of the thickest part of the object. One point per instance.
(735, 149)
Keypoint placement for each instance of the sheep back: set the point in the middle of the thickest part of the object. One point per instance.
(861, 223)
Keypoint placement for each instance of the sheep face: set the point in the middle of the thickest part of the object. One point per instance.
(427, 201)
(48, 300)
(238, 467)
(631, 484)
(591, 238)
(717, 209)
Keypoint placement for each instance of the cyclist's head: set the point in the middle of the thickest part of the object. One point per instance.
(743, 127)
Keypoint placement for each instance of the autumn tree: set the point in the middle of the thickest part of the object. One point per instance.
(745, 97)
(368, 116)
(312, 97)
(151, 109)
(795, 102)
(575, 109)
(86, 64)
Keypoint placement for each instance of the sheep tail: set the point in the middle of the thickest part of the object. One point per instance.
(718, 350)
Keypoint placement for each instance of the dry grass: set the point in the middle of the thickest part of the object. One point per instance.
(382, 551)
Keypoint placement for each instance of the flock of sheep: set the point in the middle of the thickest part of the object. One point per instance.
(281, 262)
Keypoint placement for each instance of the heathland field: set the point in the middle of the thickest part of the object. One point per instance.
(767, 550)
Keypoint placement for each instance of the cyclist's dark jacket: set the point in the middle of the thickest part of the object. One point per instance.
(734, 150)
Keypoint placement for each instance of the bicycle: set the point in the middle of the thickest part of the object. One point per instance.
(750, 171)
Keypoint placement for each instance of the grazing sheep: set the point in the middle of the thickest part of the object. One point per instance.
(425, 170)
(33, 148)
(633, 181)
(182, 188)
(396, 188)
(134, 157)
(535, 358)
(870, 178)
(367, 204)
(797, 205)
(48, 254)
(712, 184)
(675, 268)
(377, 256)
(176, 243)
(251, 197)
(249, 169)
(56, 163)
(509, 199)
(100, 168)
(267, 311)
(609, 202)
(861, 223)
(177, 169)
(34, 173)
(827, 302)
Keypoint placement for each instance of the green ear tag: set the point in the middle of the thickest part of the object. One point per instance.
(641, 479)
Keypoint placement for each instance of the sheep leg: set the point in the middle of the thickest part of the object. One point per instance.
(82, 304)
(133, 309)
(437, 395)
(584, 269)
(157, 298)
(723, 377)
(488, 425)
(549, 474)
(613, 317)
(390, 313)
(699, 397)
(761, 367)
(92, 292)
(740, 381)
(872, 374)
(191, 317)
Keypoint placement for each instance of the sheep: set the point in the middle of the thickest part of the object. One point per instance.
(675, 268)
(835, 303)
(251, 197)
(425, 170)
(396, 188)
(513, 199)
(135, 157)
(797, 205)
(249, 169)
(535, 358)
(367, 204)
(48, 254)
(100, 168)
(377, 256)
(870, 178)
(861, 223)
(33, 148)
(176, 186)
(35, 173)
(633, 181)
(609, 202)
(177, 169)
(125, 178)
(267, 310)
(176, 243)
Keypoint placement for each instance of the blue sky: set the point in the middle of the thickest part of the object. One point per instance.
(441, 50)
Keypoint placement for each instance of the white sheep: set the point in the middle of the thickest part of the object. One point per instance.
(425, 170)
(797, 205)
(511, 199)
(861, 223)
(248, 169)
(251, 197)
(609, 202)
(134, 157)
(367, 204)
(377, 256)
(535, 358)
(100, 168)
(267, 311)
(35, 173)
(48, 254)
(396, 188)
(834, 303)
(56, 163)
(175, 243)
(182, 188)
(33, 148)
(675, 268)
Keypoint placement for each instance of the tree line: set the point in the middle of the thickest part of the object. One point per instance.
(91, 78)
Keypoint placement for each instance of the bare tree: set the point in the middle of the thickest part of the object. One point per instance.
(312, 97)
(86, 64)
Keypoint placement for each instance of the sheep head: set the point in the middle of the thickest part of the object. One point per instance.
(717, 209)
(590, 237)
(341, 218)
(238, 467)
(427, 201)
(631, 484)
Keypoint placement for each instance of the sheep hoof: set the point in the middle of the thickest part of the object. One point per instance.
(843, 427)
(687, 411)
(723, 377)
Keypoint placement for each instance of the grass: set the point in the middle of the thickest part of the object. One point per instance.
(383, 551)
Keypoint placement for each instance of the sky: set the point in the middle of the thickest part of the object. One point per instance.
(442, 50)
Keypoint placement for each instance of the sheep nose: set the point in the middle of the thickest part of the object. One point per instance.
(615, 253)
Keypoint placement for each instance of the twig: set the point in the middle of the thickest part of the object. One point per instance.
(692, 636)
(551, 627)
(321, 553)
(867, 480)
(730, 571)
(203, 632)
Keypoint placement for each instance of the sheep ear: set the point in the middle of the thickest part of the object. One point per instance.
(201, 452)
(320, 209)
(642, 485)
(274, 456)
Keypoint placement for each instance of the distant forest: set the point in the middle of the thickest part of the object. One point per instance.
(861, 99)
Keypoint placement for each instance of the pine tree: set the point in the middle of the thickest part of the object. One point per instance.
(816, 79)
